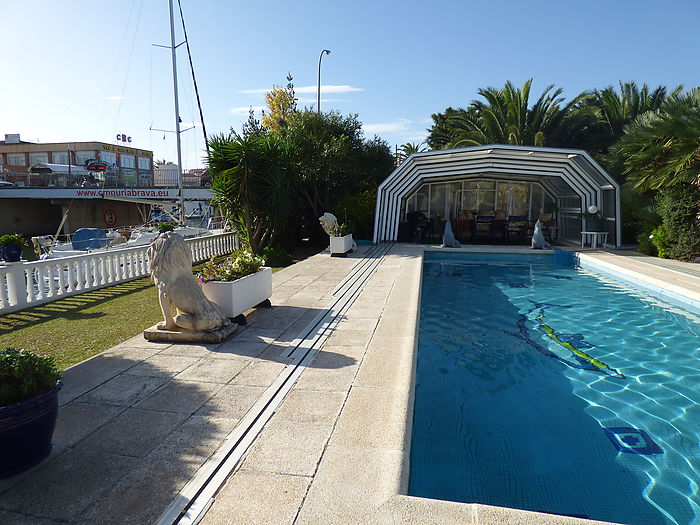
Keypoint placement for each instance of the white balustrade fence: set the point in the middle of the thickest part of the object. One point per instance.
(27, 284)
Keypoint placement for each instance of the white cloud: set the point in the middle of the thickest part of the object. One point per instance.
(398, 126)
(304, 100)
(114, 97)
(307, 89)
(243, 110)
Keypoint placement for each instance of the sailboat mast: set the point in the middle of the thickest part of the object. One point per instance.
(177, 115)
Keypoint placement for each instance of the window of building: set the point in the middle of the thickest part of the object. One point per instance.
(109, 157)
(144, 163)
(59, 157)
(81, 157)
(38, 157)
(16, 159)
(128, 161)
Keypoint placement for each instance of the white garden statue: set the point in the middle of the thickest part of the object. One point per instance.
(329, 223)
(538, 240)
(171, 269)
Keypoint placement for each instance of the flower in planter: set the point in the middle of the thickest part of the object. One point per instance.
(339, 231)
(239, 264)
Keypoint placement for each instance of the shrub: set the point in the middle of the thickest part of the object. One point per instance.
(679, 208)
(239, 264)
(24, 374)
(14, 239)
(659, 238)
(646, 244)
(276, 256)
(165, 227)
(359, 209)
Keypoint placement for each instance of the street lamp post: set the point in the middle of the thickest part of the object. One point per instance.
(318, 102)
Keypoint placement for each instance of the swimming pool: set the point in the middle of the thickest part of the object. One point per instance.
(545, 387)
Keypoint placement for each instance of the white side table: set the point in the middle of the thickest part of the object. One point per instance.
(594, 237)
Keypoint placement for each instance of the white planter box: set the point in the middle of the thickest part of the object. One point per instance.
(341, 245)
(235, 297)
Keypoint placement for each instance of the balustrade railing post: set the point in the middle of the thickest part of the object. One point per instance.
(16, 284)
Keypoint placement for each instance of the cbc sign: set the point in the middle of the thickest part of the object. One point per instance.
(122, 137)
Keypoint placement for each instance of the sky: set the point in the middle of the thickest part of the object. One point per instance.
(87, 70)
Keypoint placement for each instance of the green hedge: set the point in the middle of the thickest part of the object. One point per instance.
(679, 208)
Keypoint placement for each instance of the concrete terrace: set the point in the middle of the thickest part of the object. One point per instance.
(139, 424)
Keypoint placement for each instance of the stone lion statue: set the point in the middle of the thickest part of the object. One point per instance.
(171, 269)
(538, 240)
(328, 223)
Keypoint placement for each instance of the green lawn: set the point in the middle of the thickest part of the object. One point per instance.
(78, 327)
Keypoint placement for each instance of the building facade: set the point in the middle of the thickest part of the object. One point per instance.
(126, 166)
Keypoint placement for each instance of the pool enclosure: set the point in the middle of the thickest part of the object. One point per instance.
(504, 182)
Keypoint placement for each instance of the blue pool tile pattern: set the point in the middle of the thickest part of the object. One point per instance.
(510, 413)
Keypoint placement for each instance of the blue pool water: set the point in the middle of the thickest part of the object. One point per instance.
(545, 387)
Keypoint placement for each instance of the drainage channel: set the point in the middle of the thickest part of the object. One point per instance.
(190, 505)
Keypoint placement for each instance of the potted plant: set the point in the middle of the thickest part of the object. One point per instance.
(237, 284)
(165, 227)
(341, 241)
(29, 385)
(595, 222)
(11, 247)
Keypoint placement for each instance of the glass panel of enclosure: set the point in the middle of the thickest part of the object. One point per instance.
(483, 196)
(109, 157)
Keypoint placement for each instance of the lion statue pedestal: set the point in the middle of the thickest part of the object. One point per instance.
(198, 320)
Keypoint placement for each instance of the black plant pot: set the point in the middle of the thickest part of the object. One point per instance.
(26, 429)
(10, 253)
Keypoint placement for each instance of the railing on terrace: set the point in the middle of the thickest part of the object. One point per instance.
(110, 179)
(27, 284)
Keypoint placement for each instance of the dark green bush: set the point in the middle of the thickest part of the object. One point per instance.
(275, 256)
(359, 209)
(646, 244)
(165, 227)
(14, 239)
(659, 238)
(679, 208)
(24, 374)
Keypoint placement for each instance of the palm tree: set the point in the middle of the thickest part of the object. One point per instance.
(661, 148)
(408, 149)
(506, 118)
(255, 183)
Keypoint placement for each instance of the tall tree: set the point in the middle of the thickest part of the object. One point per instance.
(661, 148)
(281, 102)
(506, 117)
(255, 180)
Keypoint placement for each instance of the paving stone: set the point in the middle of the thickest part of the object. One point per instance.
(53, 490)
(210, 370)
(143, 494)
(388, 363)
(163, 366)
(350, 486)
(91, 373)
(183, 397)
(13, 518)
(134, 432)
(259, 373)
(288, 447)
(77, 420)
(124, 390)
(373, 418)
(349, 338)
(241, 348)
(311, 406)
(262, 498)
(231, 401)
